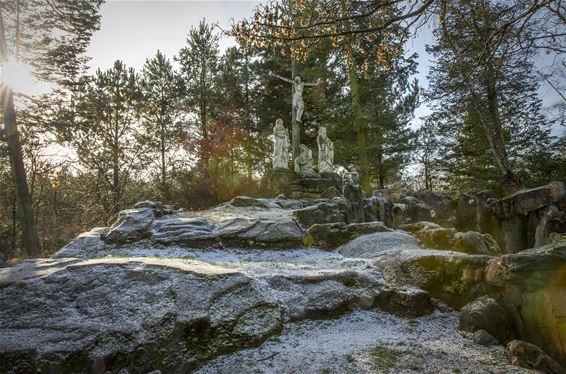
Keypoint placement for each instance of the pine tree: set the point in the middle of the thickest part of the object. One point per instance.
(486, 109)
(106, 135)
(161, 115)
(199, 67)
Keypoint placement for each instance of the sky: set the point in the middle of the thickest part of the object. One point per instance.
(133, 30)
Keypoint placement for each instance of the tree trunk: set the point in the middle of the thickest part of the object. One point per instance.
(360, 128)
(162, 155)
(30, 240)
(493, 129)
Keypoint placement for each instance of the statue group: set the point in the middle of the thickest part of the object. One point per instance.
(304, 163)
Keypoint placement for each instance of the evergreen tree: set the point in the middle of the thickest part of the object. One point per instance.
(199, 68)
(106, 136)
(486, 109)
(161, 115)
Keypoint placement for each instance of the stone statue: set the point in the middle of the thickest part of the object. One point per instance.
(280, 145)
(325, 152)
(304, 162)
(298, 87)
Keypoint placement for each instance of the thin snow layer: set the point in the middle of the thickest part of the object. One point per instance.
(368, 342)
(257, 262)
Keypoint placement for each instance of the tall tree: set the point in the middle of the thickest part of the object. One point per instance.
(52, 38)
(106, 137)
(161, 88)
(199, 67)
(486, 102)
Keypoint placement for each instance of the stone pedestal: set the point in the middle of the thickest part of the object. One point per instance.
(297, 186)
(279, 181)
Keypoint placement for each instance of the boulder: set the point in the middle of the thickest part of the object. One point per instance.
(319, 183)
(370, 210)
(530, 356)
(442, 204)
(149, 204)
(353, 192)
(277, 230)
(140, 314)
(451, 277)
(473, 212)
(487, 314)
(330, 193)
(483, 337)
(475, 243)
(276, 233)
(86, 245)
(172, 317)
(417, 210)
(132, 225)
(533, 287)
(188, 231)
(400, 215)
(326, 212)
(378, 244)
(383, 205)
(526, 201)
(284, 203)
(526, 218)
(333, 235)
(245, 201)
(406, 302)
(436, 237)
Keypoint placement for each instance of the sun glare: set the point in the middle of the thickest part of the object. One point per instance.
(18, 76)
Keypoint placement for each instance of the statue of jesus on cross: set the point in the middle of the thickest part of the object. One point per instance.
(298, 87)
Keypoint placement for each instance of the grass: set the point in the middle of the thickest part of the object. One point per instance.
(383, 357)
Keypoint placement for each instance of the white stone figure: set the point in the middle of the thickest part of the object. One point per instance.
(304, 162)
(325, 152)
(280, 146)
(298, 87)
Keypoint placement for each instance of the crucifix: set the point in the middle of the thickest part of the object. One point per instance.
(298, 106)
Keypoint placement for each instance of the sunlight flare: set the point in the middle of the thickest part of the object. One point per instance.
(18, 76)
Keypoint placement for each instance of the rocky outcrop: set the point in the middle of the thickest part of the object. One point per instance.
(333, 235)
(324, 212)
(2, 260)
(485, 313)
(428, 206)
(379, 244)
(379, 208)
(452, 277)
(85, 245)
(532, 285)
(529, 356)
(484, 338)
(132, 225)
(140, 314)
(353, 192)
(434, 236)
(526, 218)
(473, 242)
(245, 201)
(473, 212)
(441, 205)
(243, 221)
(405, 302)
